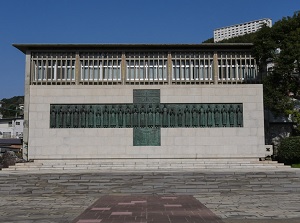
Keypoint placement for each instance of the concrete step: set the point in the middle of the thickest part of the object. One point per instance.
(188, 181)
(150, 164)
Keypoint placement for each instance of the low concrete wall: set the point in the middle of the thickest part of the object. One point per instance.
(47, 143)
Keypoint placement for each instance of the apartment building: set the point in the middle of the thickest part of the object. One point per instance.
(240, 29)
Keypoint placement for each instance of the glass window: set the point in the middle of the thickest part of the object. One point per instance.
(54, 70)
(95, 70)
(144, 67)
(112, 70)
(197, 67)
(6, 134)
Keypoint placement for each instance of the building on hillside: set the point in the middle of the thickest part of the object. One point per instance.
(11, 127)
(17, 111)
(240, 29)
(146, 101)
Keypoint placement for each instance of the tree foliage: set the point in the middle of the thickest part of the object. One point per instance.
(280, 45)
(289, 150)
(210, 40)
(10, 106)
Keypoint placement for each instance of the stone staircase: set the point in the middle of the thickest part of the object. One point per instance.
(145, 165)
(204, 182)
(203, 177)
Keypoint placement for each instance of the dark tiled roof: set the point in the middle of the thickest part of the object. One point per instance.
(10, 141)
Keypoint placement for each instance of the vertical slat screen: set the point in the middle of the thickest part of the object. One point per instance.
(143, 67)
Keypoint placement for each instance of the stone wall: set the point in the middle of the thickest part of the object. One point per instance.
(70, 143)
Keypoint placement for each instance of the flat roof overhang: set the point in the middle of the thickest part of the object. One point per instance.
(132, 47)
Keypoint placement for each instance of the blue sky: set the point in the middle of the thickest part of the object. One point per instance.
(117, 21)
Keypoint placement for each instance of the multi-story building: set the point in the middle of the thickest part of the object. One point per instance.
(240, 29)
(145, 101)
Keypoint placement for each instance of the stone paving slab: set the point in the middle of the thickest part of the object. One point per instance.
(240, 196)
(146, 209)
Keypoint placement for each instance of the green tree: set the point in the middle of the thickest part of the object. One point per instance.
(281, 46)
(210, 40)
(10, 107)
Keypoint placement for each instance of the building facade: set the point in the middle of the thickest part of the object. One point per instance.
(145, 101)
(11, 128)
(240, 29)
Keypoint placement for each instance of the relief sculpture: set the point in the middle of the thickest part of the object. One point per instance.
(83, 116)
(120, 117)
(150, 117)
(224, 116)
(217, 116)
(146, 115)
(68, 117)
(187, 115)
(157, 116)
(202, 116)
(142, 117)
(128, 117)
(165, 116)
(76, 118)
(194, 116)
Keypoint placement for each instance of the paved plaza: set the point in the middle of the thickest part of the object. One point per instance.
(248, 196)
(147, 208)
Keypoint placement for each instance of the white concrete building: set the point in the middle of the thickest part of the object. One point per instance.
(11, 127)
(142, 101)
(240, 29)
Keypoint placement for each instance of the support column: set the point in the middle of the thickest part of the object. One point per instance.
(123, 68)
(169, 68)
(215, 67)
(77, 68)
(26, 106)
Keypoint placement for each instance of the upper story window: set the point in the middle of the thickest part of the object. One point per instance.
(146, 66)
(17, 123)
(52, 67)
(46, 70)
(236, 67)
(101, 70)
(146, 70)
(9, 124)
(192, 66)
(100, 66)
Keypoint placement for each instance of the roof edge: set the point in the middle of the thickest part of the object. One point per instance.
(79, 46)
